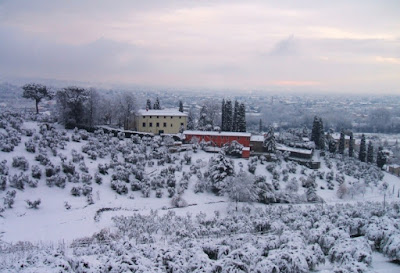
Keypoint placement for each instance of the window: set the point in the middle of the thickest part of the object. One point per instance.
(157, 124)
(151, 124)
(158, 116)
(144, 124)
(165, 117)
(171, 124)
(180, 117)
(172, 117)
(181, 123)
(150, 116)
(165, 124)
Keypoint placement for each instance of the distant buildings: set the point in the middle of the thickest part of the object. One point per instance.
(167, 121)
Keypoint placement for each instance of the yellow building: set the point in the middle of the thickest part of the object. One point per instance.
(168, 121)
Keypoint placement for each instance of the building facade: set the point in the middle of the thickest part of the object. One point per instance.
(168, 121)
(218, 139)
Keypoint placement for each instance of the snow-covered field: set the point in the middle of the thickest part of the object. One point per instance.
(199, 232)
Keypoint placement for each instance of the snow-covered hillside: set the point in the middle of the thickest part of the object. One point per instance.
(155, 211)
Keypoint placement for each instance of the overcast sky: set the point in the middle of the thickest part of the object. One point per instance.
(320, 45)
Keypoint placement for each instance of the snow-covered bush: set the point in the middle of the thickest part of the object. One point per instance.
(68, 168)
(219, 169)
(9, 199)
(178, 202)
(20, 162)
(234, 148)
(119, 186)
(252, 165)
(36, 172)
(3, 182)
(76, 157)
(98, 179)
(30, 146)
(33, 204)
(3, 168)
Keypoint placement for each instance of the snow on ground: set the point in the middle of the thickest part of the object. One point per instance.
(52, 222)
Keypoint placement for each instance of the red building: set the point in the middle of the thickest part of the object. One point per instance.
(218, 139)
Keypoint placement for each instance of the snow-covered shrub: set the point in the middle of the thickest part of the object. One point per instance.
(252, 165)
(86, 178)
(56, 180)
(292, 185)
(18, 181)
(42, 158)
(121, 173)
(171, 191)
(76, 157)
(119, 186)
(50, 170)
(83, 167)
(391, 246)
(33, 204)
(76, 137)
(3, 182)
(86, 190)
(30, 146)
(20, 162)
(178, 202)
(103, 169)
(145, 191)
(68, 168)
(9, 199)
(350, 250)
(159, 193)
(187, 158)
(36, 172)
(98, 179)
(3, 168)
(219, 169)
(234, 148)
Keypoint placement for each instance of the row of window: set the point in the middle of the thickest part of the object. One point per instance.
(158, 124)
(164, 117)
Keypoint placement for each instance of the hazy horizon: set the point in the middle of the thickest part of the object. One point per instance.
(312, 46)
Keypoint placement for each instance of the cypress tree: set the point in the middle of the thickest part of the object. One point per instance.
(202, 123)
(235, 120)
(351, 145)
(190, 120)
(180, 106)
(148, 104)
(228, 115)
(341, 142)
(370, 153)
(223, 115)
(331, 144)
(381, 158)
(362, 154)
(241, 118)
(260, 126)
(316, 132)
(157, 105)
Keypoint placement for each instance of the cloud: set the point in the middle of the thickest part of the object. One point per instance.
(286, 47)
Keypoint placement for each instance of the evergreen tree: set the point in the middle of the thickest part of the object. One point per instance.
(148, 104)
(269, 140)
(228, 115)
(317, 129)
(157, 105)
(204, 123)
(235, 121)
(322, 139)
(223, 115)
(370, 153)
(36, 92)
(341, 142)
(351, 145)
(260, 126)
(331, 144)
(180, 106)
(241, 125)
(381, 157)
(363, 153)
(190, 120)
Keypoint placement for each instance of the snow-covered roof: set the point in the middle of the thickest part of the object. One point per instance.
(214, 133)
(164, 112)
(257, 138)
(282, 147)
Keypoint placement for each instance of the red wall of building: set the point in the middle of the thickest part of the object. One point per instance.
(219, 141)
